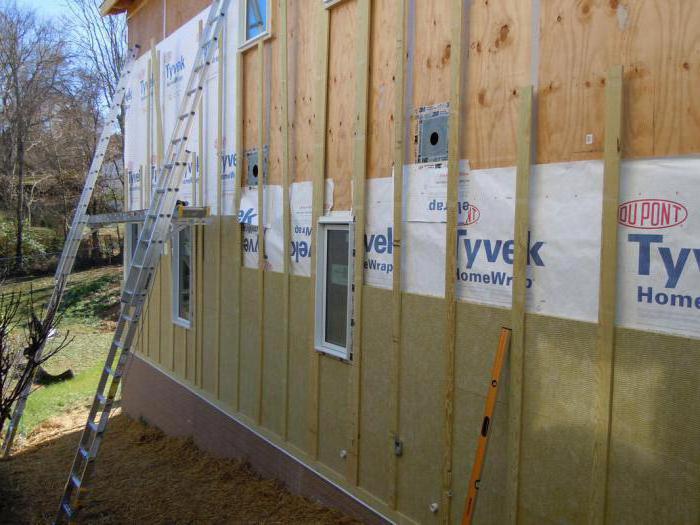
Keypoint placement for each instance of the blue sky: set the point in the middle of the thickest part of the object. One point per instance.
(45, 7)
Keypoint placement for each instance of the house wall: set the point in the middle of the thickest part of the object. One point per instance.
(305, 401)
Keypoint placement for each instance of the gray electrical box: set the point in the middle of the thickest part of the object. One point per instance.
(253, 166)
(432, 133)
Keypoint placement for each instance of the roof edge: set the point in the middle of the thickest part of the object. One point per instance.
(112, 7)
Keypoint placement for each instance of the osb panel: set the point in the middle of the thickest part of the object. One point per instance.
(145, 24)
(179, 349)
(558, 404)
(228, 364)
(300, 341)
(154, 319)
(251, 99)
(302, 44)
(341, 102)
(333, 428)
(209, 307)
(274, 360)
(500, 35)
(478, 330)
(177, 13)
(422, 406)
(655, 431)
(376, 413)
(658, 45)
(190, 335)
(273, 94)
(431, 64)
(167, 353)
(250, 347)
(382, 85)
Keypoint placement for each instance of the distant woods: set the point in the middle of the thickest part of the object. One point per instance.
(57, 76)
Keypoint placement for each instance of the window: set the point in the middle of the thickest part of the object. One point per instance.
(256, 20)
(134, 230)
(182, 277)
(334, 264)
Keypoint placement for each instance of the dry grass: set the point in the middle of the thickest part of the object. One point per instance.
(142, 476)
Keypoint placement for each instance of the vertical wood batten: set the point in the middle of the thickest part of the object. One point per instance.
(458, 9)
(199, 169)
(520, 229)
(319, 167)
(220, 110)
(237, 258)
(399, 159)
(605, 334)
(286, 214)
(364, 16)
(261, 225)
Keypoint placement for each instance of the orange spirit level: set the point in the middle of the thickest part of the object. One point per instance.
(503, 343)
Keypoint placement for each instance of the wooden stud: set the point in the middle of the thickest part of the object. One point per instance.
(261, 226)
(220, 110)
(319, 171)
(399, 160)
(364, 25)
(453, 157)
(605, 334)
(199, 168)
(521, 228)
(286, 214)
(237, 259)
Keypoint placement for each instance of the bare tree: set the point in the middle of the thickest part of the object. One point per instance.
(20, 356)
(32, 56)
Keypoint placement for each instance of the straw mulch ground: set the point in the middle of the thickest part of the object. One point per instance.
(143, 476)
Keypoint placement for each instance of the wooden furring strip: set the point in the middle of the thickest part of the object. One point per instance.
(520, 229)
(457, 24)
(286, 214)
(261, 226)
(237, 259)
(399, 159)
(607, 297)
(364, 24)
(319, 170)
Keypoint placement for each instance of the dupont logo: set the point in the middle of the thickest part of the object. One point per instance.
(471, 214)
(651, 214)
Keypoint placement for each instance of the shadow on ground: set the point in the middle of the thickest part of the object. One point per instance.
(142, 476)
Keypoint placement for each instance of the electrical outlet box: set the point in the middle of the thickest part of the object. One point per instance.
(253, 166)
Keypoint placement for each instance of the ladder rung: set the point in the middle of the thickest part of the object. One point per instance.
(75, 480)
(185, 115)
(94, 426)
(129, 318)
(113, 371)
(67, 510)
(84, 452)
(120, 345)
(193, 91)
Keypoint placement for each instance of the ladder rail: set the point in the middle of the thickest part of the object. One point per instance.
(70, 248)
(156, 226)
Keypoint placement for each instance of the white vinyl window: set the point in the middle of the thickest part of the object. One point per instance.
(182, 277)
(255, 20)
(334, 267)
(134, 230)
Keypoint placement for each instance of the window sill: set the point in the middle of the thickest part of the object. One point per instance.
(336, 352)
(252, 42)
(182, 323)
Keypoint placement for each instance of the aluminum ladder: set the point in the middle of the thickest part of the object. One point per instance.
(153, 234)
(75, 235)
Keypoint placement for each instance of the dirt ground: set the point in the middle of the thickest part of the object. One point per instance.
(142, 476)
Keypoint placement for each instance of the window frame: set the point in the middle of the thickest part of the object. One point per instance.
(175, 268)
(247, 43)
(343, 222)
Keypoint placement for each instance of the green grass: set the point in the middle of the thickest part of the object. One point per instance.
(89, 307)
(49, 401)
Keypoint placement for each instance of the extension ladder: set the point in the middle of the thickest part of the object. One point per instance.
(70, 248)
(153, 234)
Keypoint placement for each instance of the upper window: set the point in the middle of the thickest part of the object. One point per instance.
(333, 333)
(256, 19)
(182, 277)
